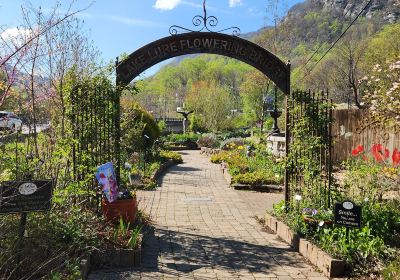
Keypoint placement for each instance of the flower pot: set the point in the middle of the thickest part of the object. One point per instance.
(125, 209)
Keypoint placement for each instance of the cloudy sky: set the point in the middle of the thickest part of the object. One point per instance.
(118, 26)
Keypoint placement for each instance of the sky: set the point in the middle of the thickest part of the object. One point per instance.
(122, 26)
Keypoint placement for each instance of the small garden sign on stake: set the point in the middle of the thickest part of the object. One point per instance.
(348, 214)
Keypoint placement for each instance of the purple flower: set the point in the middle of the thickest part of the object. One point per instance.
(314, 212)
(306, 211)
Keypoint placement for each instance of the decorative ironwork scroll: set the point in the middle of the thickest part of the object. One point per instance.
(206, 23)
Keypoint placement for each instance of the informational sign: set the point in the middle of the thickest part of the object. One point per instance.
(25, 196)
(348, 214)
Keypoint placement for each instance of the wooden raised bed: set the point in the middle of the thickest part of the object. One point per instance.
(330, 266)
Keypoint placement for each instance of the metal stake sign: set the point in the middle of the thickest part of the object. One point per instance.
(25, 196)
(348, 214)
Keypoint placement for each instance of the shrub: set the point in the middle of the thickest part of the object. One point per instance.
(139, 128)
(170, 155)
(219, 157)
(208, 140)
(256, 178)
(231, 143)
(182, 138)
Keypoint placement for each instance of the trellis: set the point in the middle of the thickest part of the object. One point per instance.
(309, 147)
(93, 117)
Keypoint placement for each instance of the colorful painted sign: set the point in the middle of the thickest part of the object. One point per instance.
(106, 177)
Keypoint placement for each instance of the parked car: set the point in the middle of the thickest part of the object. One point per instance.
(9, 120)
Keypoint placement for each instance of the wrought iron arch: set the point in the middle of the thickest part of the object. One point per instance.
(204, 42)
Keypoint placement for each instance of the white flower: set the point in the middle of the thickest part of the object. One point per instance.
(297, 197)
(321, 223)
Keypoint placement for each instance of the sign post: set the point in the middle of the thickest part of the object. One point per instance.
(348, 215)
(23, 197)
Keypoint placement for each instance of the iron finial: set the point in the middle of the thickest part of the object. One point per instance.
(208, 22)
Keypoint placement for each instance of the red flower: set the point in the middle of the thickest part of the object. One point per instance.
(379, 152)
(358, 150)
(396, 157)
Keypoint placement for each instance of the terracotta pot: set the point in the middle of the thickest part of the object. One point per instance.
(126, 208)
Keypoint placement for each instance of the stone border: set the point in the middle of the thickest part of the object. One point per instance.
(120, 258)
(329, 266)
(163, 167)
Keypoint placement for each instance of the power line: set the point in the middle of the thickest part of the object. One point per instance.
(320, 46)
(340, 37)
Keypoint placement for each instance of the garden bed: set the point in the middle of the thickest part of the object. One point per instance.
(269, 188)
(111, 258)
(330, 266)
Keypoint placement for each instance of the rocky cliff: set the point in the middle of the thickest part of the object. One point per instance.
(387, 10)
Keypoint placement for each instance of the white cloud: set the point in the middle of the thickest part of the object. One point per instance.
(235, 3)
(166, 4)
(15, 33)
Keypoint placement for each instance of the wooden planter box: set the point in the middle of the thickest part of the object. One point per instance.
(125, 209)
(116, 258)
(331, 267)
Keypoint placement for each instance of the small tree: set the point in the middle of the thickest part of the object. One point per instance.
(382, 92)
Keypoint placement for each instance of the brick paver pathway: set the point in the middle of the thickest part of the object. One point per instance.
(205, 230)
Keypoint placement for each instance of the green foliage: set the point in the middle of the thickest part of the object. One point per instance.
(363, 247)
(256, 178)
(182, 138)
(139, 129)
(305, 150)
(256, 170)
(123, 233)
(170, 155)
(232, 143)
(360, 246)
(212, 105)
(383, 47)
(162, 126)
(392, 271)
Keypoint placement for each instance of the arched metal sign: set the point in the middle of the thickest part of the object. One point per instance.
(204, 42)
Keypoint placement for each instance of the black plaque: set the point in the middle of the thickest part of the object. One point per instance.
(204, 42)
(25, 196)
(347, 214)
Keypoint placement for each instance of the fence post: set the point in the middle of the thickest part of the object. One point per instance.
(117, 129)
(287, 137)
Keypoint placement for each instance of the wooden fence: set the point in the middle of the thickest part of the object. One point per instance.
(352, 127)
